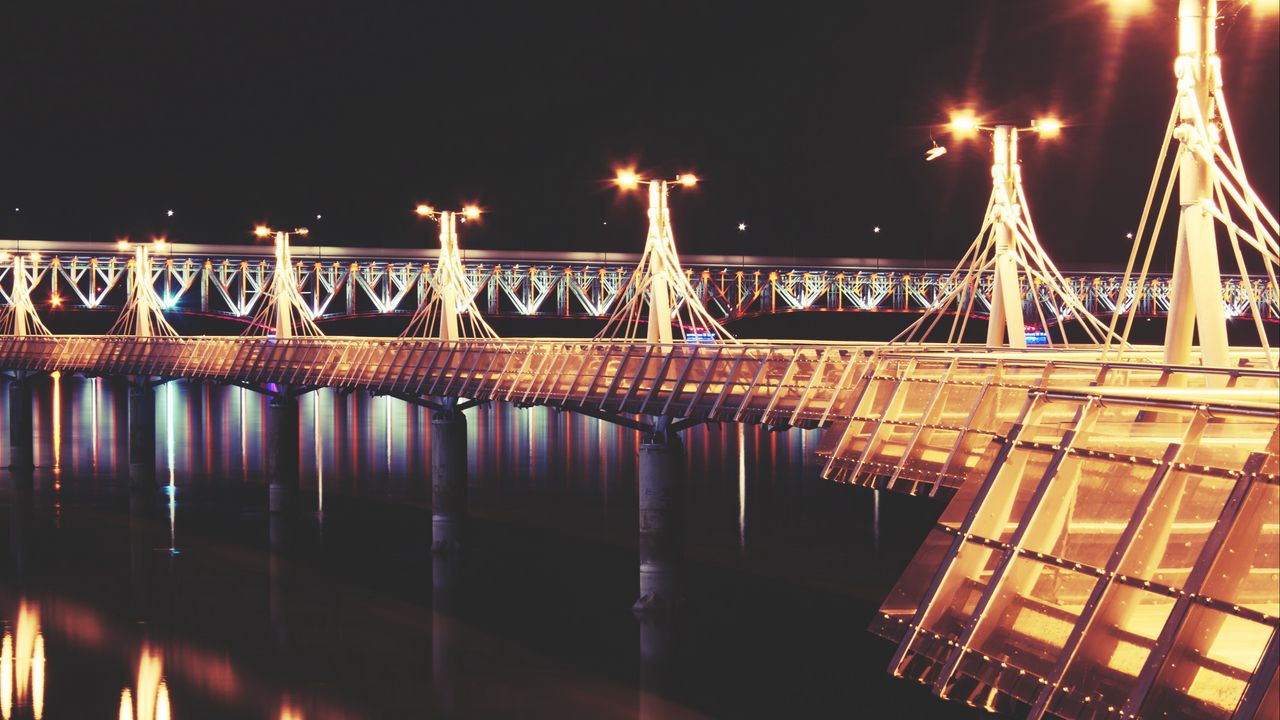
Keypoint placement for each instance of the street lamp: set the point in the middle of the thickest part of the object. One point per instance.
(454, 295)
(284, 286)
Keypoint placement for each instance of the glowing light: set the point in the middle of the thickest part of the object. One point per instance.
(963, 123)
(159, 243)
(35, 257)
(425, 210)
(122, 245)
(262, 231)
(168, 213)
(688, 179)
(4, 255)
(471, 212)
(1124, 9)
(301, 231)
(55, 300)
(934, 153)
(1129, 235)
(1048, 127)
(876, 229)
(742, 227)
(1266, 8)
(627, 179)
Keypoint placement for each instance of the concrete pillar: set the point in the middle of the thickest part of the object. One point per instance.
(448, 480)
(142, 434)
(282, 453)
(21, 427)
(660, 671)
(661, 522)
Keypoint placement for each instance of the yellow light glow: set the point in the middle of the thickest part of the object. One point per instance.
(688, 179)
(4, 255)
(122, 245)
(627, 179)
(425, 210)
(55, 300)
(159, 243)
(963, 123)
(301, 231)
(262, 231)
(1048, 127)
(1266, 8)
(35, 257)
(1128, 8)
(471, 212)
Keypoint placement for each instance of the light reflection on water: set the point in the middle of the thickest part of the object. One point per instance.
(529, 467)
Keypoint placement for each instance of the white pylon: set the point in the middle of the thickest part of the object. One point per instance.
(659, 291)
(1008, 253)
(284, 311)
(449, 297)
(1212, 188)
(19, 318)
(143, 314)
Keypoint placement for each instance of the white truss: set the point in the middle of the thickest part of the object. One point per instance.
(283, 310)
(19, 317)
(143, 313)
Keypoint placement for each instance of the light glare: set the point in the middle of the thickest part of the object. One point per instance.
(688, 179)
(1048, 127)
(425, 210)
(471, 212)
(262, 231)
(627, 179)
(963, 123)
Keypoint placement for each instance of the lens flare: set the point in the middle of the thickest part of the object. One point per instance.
(627, 179)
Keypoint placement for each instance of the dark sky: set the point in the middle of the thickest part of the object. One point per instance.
(808, 121)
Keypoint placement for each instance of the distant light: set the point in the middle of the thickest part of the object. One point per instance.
(471, 212)
(963, 123)
(934, 153)
(169, 213)
(1129, 235)
(687, 179)
(876, 229)
(1048, 127)
(317, 217)
(55, 300)
(4, 255)
(425, 210)
(627, 179)
(17, 209)
(122, 245)
(262, 231)
(35, 257)
(159, 243)
(742, 227)
(1125, 9)
(301, 231)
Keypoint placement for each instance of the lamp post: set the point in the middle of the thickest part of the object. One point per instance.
(448, 264)
(661, 269)
(1006, 211)
(283, 284)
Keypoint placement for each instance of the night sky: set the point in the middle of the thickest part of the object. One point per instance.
(807, 121)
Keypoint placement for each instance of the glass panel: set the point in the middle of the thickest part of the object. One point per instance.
(907, 594)
(957, 596)
(1032, 614)
(1002, 510)
(1227, 444)
(1113, 652)
(1247, 572)
(1209, 666)
(1088, 507)
(1184, 512)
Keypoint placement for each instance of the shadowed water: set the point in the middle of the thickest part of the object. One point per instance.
(191, 602)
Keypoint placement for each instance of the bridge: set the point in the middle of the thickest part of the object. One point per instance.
(1111, 542)
(342, 282)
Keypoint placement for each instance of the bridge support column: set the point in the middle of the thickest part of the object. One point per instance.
(282, 452)
(21, 427)
(448, 478)
(142, 434)
(661, 520)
